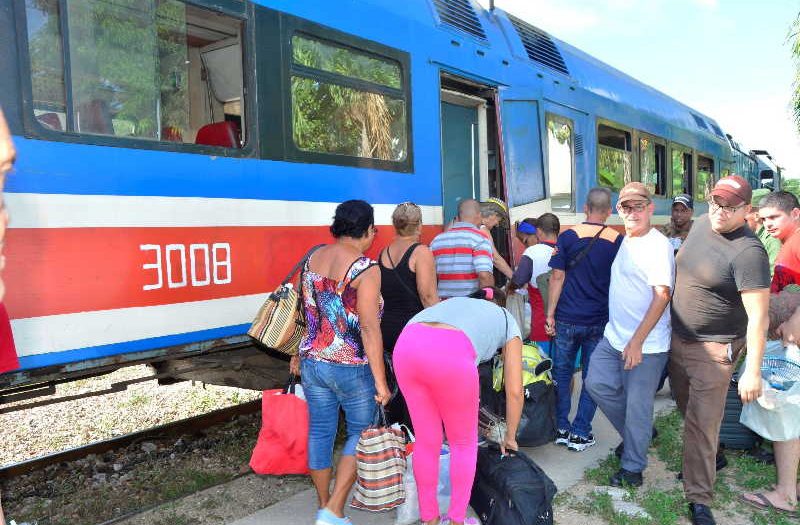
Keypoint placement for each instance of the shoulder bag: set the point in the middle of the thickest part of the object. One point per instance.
(280, 322)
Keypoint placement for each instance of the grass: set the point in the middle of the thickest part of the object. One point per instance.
(668, 506)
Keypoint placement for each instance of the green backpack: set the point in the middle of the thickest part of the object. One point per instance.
(535, 367)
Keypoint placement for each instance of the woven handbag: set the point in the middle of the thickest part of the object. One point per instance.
(280, 322)
(381, 463)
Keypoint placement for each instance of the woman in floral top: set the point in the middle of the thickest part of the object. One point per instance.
(341, 355)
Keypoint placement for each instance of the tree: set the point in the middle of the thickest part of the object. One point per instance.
(794, 39)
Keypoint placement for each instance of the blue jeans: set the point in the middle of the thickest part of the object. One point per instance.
(627, 397)
(569, 339)
(329, 387)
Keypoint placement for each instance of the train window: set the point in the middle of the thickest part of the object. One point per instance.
(613, 157)
(347, 102)
(560, 161)
(681, 170)
(159, 70)
(705, 178)
(652, 164)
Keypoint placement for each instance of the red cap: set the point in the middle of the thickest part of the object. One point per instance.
(734, 189)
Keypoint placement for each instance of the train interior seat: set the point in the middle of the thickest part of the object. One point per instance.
(225, 134)
(50, 121)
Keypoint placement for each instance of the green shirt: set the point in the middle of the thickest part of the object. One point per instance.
(771, 244)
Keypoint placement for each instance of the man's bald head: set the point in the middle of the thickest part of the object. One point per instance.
(469, 210)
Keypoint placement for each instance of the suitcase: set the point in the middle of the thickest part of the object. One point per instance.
(511, 490)
(732, 434)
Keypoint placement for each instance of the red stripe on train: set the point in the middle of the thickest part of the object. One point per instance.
(69, 270)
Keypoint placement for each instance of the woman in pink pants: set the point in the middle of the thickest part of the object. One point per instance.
(435, 359)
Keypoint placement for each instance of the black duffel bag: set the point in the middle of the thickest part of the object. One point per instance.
(537, 426)
(511, 490)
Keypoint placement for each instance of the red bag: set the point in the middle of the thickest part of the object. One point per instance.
(282, 446)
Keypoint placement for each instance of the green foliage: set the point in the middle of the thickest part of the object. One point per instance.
(791, 185)
(613, 167)
(603, 472)
(794, 40)
(332, 118)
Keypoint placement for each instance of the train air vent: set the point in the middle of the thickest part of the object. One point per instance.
(460, 14)
(578, 144)
(717, 130)
(538, 45)
(700, 122)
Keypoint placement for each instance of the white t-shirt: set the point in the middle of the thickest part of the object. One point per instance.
(641, 263)
(540, 255)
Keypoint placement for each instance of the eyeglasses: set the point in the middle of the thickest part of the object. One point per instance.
(630, 208)
(713, 207)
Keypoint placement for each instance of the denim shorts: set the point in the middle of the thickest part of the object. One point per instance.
(329, 387)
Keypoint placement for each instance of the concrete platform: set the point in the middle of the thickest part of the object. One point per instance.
(565, 467)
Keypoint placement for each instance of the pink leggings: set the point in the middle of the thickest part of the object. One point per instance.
(436, 371)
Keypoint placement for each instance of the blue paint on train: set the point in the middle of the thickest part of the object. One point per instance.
(128, 347)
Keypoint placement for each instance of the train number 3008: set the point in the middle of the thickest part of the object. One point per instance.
(207, 264)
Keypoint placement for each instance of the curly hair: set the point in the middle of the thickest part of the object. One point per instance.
(353, 218)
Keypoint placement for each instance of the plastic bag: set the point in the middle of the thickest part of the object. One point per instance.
(776, 414)
(408, 512)
(282, 446)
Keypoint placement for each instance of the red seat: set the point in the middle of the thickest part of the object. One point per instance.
(225, 134)
(50, 121)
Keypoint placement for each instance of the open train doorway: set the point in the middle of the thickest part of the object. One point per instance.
(470, 150)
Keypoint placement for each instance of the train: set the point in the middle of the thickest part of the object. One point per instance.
(176, 157)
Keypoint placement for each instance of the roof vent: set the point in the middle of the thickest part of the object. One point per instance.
(538, 45)
(700, 122)
(717, 130)
(460, 14)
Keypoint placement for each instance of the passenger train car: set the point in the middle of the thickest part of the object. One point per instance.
(177, 156)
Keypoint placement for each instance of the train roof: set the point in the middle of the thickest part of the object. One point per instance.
(499, 32)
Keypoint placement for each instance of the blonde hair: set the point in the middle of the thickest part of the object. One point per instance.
(406, 218)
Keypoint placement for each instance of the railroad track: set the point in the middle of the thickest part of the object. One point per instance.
(175, 428)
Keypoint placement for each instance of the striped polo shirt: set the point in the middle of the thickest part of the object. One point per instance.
(461, 252)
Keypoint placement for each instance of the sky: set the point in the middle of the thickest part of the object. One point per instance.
(729, 59)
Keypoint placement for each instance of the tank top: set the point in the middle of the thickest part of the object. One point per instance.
(401, 299)
(334, 332)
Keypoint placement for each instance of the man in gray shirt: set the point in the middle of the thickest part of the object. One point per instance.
(720, 305)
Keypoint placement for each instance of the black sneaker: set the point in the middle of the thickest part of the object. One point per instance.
(701, 514)
(579, 444)
(624, 478)
(562, 437)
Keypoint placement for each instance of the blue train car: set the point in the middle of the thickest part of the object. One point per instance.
(176, 157)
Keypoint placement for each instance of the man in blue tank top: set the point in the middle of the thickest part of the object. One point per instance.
(577, 310)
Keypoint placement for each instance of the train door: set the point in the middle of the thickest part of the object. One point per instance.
(469, 144)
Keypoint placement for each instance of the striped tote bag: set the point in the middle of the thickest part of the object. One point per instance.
(381, 463)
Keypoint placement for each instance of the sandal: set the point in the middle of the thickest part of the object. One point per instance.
(762, 503)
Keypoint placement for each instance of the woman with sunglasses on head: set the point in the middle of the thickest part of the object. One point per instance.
(436, 360)
(341, 355)
(408, 284)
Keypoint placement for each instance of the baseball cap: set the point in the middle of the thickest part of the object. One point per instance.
(684, 199)
(734, 189)
(526, 228)
(633, 191)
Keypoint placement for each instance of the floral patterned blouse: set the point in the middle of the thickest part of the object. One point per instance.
(334, 332)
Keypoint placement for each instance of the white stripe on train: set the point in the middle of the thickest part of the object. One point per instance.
(36, 210)
(57, 333)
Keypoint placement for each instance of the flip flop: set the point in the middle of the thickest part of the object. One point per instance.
(762, 503)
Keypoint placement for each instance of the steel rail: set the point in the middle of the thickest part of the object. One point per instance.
(175, 428)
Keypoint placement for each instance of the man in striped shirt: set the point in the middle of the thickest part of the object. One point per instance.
(463, 255)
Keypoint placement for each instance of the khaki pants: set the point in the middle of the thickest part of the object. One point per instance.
(700, 374)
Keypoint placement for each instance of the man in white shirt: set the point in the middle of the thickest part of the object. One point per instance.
(626, 365)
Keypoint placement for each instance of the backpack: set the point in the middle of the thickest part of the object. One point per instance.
(511, 490)
(537, 425)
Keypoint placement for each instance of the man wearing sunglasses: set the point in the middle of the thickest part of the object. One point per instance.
(720, 306)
